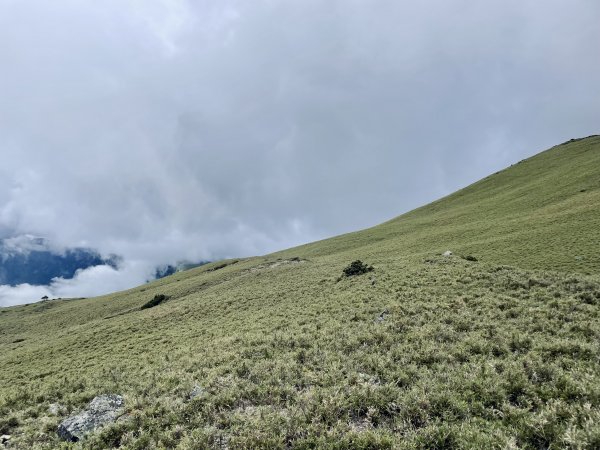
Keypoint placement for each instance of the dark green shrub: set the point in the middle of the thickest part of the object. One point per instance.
(6, 425)
(357, 268)
(157, 300)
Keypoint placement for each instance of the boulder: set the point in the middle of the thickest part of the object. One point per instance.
(101, 411)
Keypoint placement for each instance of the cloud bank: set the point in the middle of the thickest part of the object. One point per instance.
(92, 281)
(170, 130)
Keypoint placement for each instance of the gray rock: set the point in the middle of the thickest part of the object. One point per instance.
(381, 316)
(101, 411)
(447, 253)
(197, 392)
(54, 409)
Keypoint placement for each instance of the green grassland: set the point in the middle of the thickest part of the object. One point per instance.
(423, 352)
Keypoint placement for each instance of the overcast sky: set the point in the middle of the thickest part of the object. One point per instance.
(168, 130)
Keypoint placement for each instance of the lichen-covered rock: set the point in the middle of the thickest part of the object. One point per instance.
(101, 411)
(54, 409)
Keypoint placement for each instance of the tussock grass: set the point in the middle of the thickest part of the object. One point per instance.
(425, 352)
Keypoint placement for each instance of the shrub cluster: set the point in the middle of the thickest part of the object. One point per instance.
(357, 268)
(157, 300)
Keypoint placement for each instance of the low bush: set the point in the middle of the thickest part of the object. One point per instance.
(157, 300)
(357, 268)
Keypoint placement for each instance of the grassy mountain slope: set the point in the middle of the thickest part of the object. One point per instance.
(423, 352)
(539, 213)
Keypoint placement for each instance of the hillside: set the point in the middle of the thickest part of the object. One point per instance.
(425, 351)
(541, 213)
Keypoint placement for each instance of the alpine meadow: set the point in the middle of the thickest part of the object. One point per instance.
(472, 322)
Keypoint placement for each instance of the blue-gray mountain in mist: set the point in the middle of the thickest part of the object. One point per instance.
(31, 260)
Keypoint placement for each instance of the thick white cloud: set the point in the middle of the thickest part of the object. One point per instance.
(169, 130)
(88, 282)
(99, 280)
(23, 293)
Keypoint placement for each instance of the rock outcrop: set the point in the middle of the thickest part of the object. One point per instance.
(101, 411)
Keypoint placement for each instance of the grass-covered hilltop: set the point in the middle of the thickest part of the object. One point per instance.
(495, 346)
